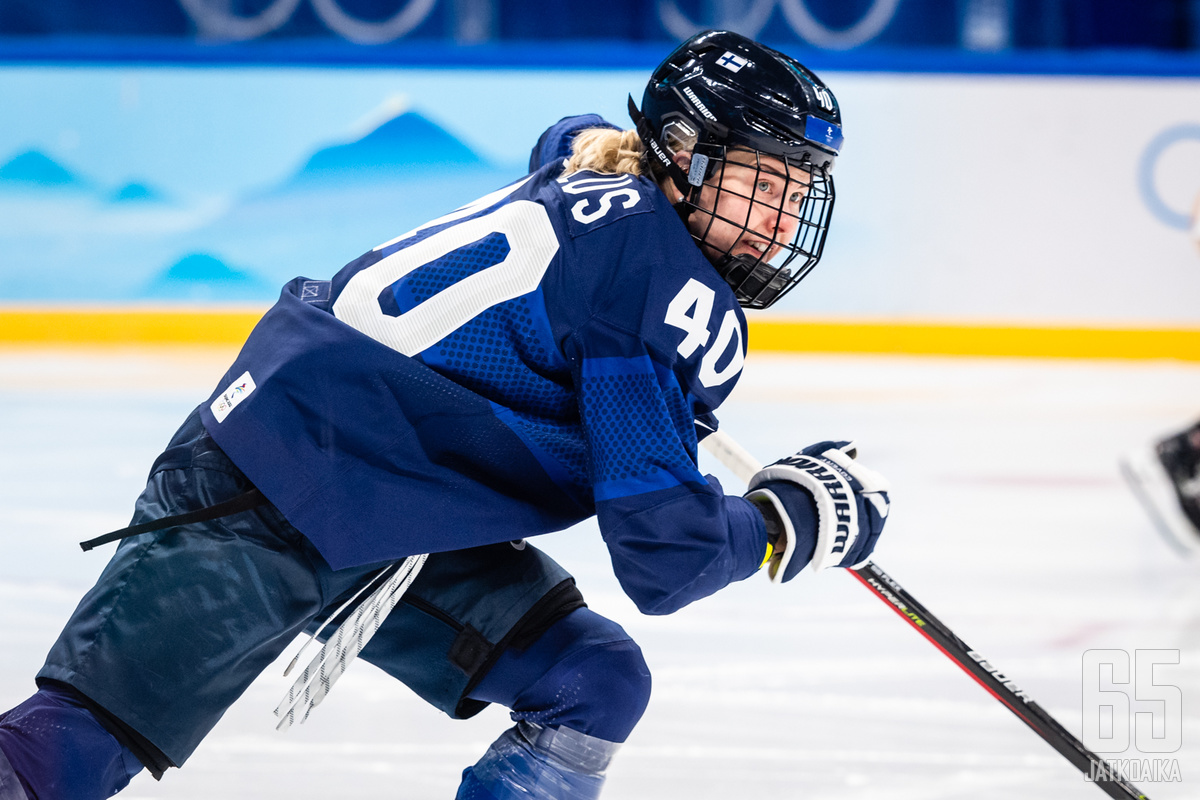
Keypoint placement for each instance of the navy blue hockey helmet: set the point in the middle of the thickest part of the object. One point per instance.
(729, 100)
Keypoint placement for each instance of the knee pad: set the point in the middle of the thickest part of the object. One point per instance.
(584, 673)
(58, 748)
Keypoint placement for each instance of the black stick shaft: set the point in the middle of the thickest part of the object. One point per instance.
(745, 465)
(996, 683)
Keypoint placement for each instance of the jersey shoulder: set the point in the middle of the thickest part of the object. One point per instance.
(555, 142)
(644, 284)
(622, 242)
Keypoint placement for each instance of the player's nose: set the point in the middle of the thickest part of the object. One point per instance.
(773, 221)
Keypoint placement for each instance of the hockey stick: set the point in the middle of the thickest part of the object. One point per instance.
(998, 685)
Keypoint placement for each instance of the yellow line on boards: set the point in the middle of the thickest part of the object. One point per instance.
(126, 326)
(962, 339)
(60, 326)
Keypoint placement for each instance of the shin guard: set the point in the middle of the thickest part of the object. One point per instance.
(59, 750)
(531, 762)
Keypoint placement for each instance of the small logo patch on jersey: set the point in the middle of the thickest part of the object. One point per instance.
(228, 400)
(315, 291)
(732, 62)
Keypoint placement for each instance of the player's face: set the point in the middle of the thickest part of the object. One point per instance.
(752, 204)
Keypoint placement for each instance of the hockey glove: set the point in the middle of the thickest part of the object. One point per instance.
(822, 507)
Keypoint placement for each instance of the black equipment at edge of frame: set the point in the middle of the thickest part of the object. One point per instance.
(1107, 777)
(242, 502)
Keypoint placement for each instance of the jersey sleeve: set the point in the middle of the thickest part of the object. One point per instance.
(673, 535)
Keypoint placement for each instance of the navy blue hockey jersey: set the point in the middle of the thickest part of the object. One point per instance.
(506, 370)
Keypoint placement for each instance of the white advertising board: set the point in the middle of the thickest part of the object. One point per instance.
(1034, 199)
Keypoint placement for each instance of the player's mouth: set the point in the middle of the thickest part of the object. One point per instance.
(759, 248)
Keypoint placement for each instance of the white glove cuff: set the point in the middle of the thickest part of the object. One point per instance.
(837, 512)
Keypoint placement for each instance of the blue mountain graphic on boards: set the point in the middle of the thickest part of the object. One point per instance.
(34, 169)
(136, 192)
(404, 147)
(200, 276)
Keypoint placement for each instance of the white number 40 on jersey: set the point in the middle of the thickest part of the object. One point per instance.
(691, 311)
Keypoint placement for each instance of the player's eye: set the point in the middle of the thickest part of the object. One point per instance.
(764, 186)
(796, 197)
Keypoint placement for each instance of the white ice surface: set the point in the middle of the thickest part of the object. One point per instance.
(1010, 523)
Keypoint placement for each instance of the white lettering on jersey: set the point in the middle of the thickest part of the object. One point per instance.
(532, 245)
(606, 205)
(577, 184)
(691, 311)
(613, 186)
(709, 376)
(698, 299)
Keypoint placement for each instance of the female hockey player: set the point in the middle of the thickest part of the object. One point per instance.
(547, 353)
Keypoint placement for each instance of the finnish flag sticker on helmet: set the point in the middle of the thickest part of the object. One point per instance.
(732, 62)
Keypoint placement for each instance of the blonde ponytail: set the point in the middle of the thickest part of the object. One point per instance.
(606, 150)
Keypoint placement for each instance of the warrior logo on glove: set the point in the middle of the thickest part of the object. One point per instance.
(822, 507)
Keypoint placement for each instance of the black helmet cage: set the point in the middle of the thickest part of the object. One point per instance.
(729, 100)
(792, 236)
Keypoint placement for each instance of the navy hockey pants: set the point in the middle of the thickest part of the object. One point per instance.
(182, 620)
